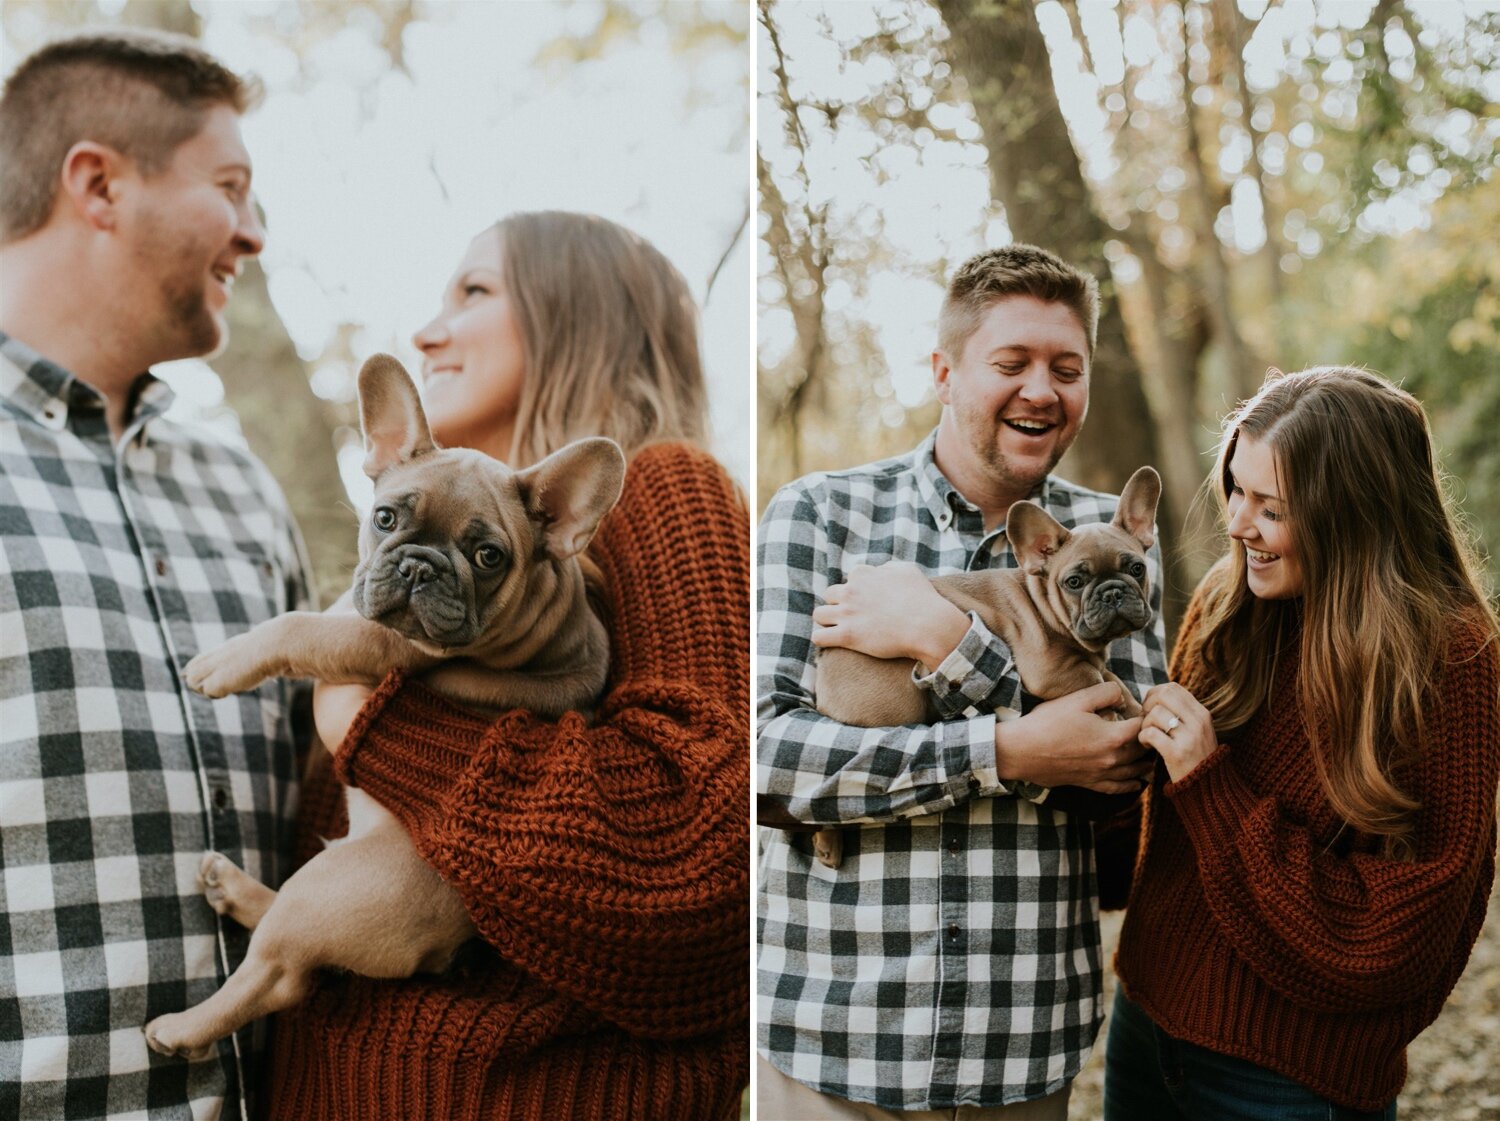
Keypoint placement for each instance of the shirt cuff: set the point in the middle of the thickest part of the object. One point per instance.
(978, 674)
(970, 745)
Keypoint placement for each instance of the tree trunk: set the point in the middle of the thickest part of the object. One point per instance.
(1035, 174)
(266, 383)
(1208, 255)
(288, 427)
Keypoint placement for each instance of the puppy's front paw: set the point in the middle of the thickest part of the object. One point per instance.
(233, 668)
(166, 1036)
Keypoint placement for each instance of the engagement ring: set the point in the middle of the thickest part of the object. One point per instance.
(1172, 725)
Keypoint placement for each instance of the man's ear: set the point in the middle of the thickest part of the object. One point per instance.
(89, 182)
(940, 371)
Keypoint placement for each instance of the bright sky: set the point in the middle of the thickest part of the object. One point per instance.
(942, 207)
(374, 181)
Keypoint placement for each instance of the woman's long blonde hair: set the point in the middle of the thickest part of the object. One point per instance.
(1386, 574)
(610, 334)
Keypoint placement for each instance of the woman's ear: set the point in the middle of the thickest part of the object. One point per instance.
(89, 184)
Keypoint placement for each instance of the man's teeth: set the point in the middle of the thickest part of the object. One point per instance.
(1029, 425)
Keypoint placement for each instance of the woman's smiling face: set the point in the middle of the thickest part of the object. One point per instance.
(1257, 520)
(474, 361)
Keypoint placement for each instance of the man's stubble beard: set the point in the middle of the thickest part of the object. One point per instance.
(983, 434)
(187, 328)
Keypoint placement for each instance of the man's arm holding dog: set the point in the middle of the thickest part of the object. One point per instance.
(816, 771)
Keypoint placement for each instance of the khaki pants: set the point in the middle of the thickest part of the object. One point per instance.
(779, 1098)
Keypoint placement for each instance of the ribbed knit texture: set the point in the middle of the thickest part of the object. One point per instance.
(606, 863)
(1257, 928)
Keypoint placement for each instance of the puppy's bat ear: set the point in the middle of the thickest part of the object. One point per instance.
(390, 412)
(1034, 536)
(568, 493)
(1137, 512)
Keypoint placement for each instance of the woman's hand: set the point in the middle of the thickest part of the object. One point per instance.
(889, 611)
(1178, 727)
(334, 709)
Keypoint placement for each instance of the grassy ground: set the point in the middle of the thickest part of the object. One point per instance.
(1454, 1066)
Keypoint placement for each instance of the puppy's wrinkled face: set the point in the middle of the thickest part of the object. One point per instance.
(1099, 584)
(1092, 579)
(445, 549)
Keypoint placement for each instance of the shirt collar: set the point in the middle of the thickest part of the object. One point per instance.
(41, 389)
(940, 496)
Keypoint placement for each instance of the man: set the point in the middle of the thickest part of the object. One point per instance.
(953, 960)
(128, 543)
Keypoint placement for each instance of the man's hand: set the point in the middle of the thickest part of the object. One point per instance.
(889, 611)
(1065, 742)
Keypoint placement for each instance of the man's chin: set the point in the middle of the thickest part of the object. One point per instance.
(1027, 467)
(193, 330)
(210, 335)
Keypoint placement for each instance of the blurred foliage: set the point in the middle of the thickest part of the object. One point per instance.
(1425, 312)
(1284, 184)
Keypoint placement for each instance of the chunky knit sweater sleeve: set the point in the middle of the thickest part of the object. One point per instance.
(1334, 928)
(608, 859)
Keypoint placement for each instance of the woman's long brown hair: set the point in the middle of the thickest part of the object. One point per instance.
(610, 335)
(1386, 574)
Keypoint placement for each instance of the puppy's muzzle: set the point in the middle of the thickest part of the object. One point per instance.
(416, 571)
(1112, 609)
(415, 591)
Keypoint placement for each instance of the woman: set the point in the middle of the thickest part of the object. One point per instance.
(1319, 843)
(605, 863)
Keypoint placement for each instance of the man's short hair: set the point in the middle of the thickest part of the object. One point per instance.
(142, 93)
(1015, 270)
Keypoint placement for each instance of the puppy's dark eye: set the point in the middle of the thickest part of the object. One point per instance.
(1137, 569)
(489, 557)
(1074, 582)
(384, 518)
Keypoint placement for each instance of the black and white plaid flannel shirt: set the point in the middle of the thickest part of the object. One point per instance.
(117, 565)
(953, 959)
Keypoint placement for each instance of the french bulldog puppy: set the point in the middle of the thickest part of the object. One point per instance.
(469, 575)
(1072, 594)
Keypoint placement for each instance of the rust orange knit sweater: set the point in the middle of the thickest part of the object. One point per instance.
(606, 864)
(1258, 928)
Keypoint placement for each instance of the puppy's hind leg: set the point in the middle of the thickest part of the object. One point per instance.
(267, 981)
(232, 892)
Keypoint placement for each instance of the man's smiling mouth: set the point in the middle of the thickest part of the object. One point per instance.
(1028, 426)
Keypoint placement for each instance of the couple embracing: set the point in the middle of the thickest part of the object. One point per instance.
(1310, 858)
(604, 864)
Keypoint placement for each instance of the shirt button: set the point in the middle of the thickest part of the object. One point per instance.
(953, 931)
(953, 845)
(161, 566)
(221, 798)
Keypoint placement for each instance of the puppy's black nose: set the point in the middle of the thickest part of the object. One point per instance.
(415, 572)
(1112, 594)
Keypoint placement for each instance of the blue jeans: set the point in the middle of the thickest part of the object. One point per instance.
(1149, 1076)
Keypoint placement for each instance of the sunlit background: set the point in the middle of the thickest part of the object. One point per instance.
(392, 132)
(1335, 203)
